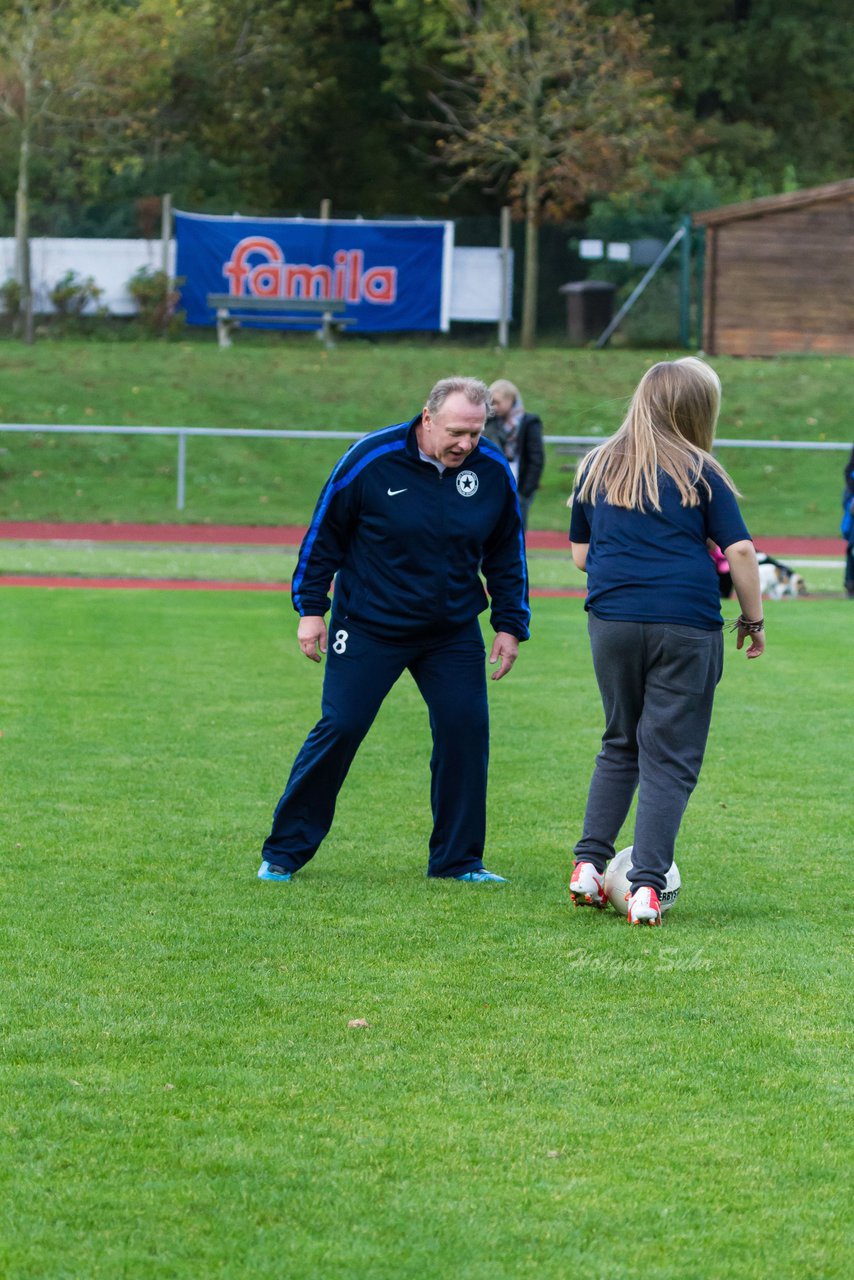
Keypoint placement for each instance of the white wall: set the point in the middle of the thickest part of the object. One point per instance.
(475, 284)
(110, 262)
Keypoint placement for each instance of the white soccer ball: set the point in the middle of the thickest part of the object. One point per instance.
(617, 885)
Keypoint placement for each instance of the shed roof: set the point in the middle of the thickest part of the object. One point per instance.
(774, 204)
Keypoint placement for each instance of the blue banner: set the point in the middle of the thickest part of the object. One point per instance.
(379, 275)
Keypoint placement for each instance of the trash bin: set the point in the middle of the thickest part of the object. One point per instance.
(589, 308)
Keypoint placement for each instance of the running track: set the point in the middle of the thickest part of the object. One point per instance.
(268, 536)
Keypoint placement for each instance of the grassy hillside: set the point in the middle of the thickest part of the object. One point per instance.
(293, 383)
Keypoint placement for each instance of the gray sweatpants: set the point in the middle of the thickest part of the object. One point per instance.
(657, 682)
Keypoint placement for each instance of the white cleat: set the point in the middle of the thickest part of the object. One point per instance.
(587, 886)
(644, 907)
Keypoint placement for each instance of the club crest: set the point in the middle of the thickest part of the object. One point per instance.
(467, 484)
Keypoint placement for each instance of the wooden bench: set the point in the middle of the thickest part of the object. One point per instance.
(233, 311)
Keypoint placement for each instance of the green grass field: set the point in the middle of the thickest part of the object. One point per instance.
(293, 383)
(539, 1092)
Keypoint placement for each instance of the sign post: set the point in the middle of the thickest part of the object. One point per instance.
(504, 319)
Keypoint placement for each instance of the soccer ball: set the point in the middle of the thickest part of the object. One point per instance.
(617, 883)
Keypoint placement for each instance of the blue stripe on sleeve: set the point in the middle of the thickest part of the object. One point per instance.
(336, 483)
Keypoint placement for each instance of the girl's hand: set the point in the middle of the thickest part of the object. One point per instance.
(756, 638)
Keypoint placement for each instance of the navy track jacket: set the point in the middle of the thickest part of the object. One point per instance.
(407, 542)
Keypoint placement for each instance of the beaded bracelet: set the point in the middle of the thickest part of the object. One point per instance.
(749, 628)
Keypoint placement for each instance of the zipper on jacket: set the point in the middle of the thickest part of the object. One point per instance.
(445, 549)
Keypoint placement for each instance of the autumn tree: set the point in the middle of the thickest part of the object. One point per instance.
(86, 83)
(771, 82)
(554, 105)
(28, 37)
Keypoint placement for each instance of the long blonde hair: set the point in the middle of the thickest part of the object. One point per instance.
(670, 424)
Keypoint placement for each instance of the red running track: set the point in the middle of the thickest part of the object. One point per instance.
(291, 536)
(267, 535)
(194, 584)
(137, 584)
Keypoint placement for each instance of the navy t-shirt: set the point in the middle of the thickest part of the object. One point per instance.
(654, 566)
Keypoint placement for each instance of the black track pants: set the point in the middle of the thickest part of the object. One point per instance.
(449, 670)
(657, 682)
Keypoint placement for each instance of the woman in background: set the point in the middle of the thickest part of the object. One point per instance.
(519, 435)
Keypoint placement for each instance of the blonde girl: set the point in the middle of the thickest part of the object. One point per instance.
(647, 506)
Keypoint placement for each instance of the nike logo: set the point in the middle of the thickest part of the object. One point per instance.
(392, 493)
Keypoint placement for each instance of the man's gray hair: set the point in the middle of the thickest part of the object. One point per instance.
(475, 391)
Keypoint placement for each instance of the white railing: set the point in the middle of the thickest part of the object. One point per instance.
(262, 433)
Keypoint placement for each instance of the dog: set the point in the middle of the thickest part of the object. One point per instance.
(777, 580)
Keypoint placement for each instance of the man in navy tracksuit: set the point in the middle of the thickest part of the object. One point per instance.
(408, 520)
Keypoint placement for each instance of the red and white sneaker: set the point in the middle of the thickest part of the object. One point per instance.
(587, 886)
(644, 907)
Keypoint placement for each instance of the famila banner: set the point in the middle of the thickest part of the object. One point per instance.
(379, 276)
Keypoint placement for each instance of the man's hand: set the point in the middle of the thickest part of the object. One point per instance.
(505, 647)
(311, 635)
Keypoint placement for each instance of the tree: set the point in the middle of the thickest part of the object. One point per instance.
(555, 105)
(287, 102)
(28, 32)
(80, 80)
(771, 82)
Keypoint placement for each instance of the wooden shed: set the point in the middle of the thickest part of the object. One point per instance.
(780, 274)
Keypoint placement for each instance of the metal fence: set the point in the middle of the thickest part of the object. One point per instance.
(261, 433)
